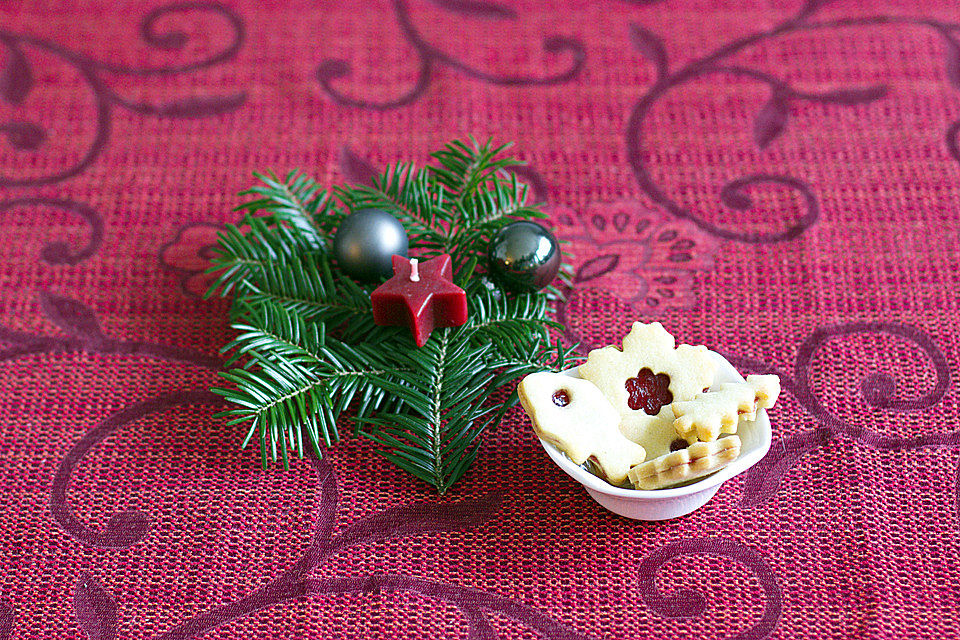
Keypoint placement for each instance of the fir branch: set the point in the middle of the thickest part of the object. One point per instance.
(299, 378)
(412, 196)
(437, 441)
(462, 168)
(307, 351)
(275, 332)
(301, 282)
(514, 325)
(297, 201)
(243, 253)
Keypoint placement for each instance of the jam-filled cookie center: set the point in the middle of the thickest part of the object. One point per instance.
(561, 398)
(648, 391)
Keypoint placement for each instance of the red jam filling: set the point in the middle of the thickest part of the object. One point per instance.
(648, 391)
(561, 398)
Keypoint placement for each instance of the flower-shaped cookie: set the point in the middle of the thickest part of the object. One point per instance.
(646, 377)
(573, 415)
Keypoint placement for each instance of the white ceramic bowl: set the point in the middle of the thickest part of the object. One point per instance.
(663, 504)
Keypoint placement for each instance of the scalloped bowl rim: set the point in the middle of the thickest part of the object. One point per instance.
(747, 458)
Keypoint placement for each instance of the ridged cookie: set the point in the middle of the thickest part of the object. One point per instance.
(696, 461)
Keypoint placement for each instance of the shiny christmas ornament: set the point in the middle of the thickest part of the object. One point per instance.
(523, 256)
(365, 243)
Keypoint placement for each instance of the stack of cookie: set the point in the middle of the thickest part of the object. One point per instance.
(649, 413)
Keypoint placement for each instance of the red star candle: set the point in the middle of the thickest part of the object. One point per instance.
(420, 296)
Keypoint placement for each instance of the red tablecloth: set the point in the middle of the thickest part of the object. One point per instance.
(776, 180)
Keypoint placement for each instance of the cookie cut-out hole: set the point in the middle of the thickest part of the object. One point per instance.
(679, 444)
(561, 398)
(648, 391)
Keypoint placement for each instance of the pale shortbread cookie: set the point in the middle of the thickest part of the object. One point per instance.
(720, 410)
(716, 411)
(661, 438)
(767, 388)
(696, 461)
(658, 372)
(573, 415)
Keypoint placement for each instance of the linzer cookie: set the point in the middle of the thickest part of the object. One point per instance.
(649, 374)
(720, 410)
(573, 415)
(695, 461)
(661, 438)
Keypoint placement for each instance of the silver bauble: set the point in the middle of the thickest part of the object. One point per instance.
(365, 242)
(523, 256)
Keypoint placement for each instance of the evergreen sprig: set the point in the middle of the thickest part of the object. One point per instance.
(307, 352)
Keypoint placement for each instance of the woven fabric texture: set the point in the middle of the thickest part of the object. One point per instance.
(777, 180)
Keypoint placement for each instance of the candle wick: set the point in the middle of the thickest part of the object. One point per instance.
(414, 270)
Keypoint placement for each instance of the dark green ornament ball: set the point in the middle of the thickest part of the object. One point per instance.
(365, 242)
(524, 257)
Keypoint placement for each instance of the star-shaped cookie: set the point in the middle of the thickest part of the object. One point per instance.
(720, 410)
